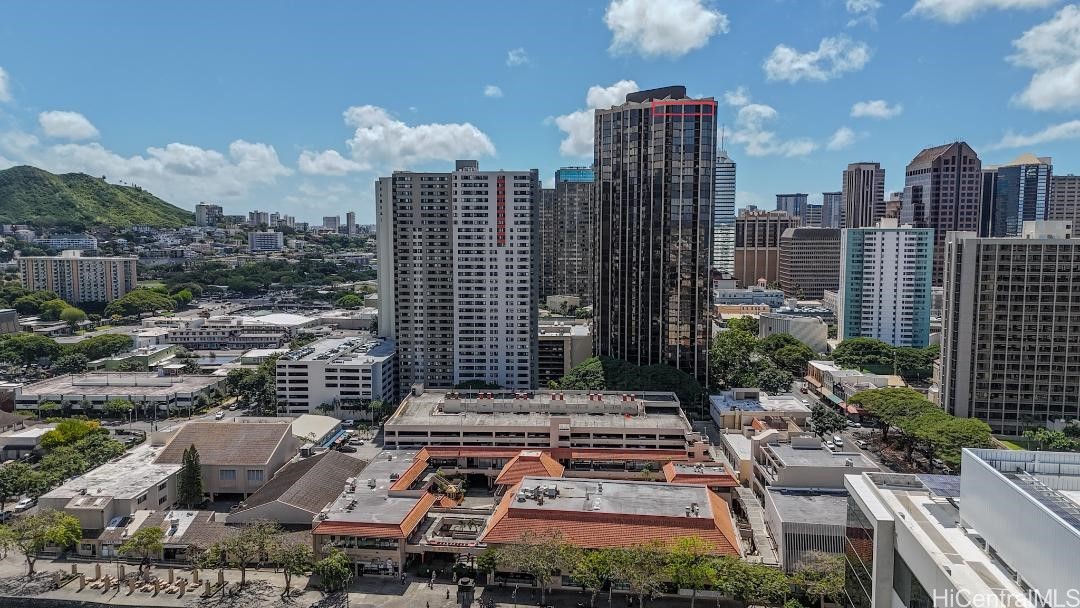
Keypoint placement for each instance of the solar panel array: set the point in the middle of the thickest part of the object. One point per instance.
(944, 486)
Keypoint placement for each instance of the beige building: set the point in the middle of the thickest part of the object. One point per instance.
(237, 457)
(147, 390)
(563, 344)
(811, 331)
(75, 278)
(809, 262)
(757, 245)
(300, 490)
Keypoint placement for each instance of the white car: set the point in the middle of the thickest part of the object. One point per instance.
(219, 415)
(24, 504)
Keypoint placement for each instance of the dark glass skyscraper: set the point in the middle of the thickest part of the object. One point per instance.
(655, 159)
(1015, 193)
(566, 235)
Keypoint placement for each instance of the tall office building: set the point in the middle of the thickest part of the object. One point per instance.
(813, 216)
(757, 245)
(1065, 198)
(75, 278)
(459, 253)
(331, 222)
(1010, 326)
(832, 210)
(885, 283)
(208, 215)
(793, 204)
(350, 223)
(864, 194)
(943, 191)
(809, 262)
(723, 246)
(566, 228)
(656, 170)
(1014, 193)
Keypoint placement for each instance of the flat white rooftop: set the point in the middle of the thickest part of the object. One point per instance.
(622, 497)
(125, 478)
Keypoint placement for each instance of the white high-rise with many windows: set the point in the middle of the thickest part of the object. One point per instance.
(723, 247)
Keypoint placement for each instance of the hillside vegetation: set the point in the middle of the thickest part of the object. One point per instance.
(77, 201)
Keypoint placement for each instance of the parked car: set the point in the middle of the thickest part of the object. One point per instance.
(5, 516)
(25, 504)
(348, 449)
(348, 423)
(219, 415)
(838, 440)
(356, 441)
(862, 444)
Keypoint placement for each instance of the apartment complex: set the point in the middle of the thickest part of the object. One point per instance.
(809, 262)
(885, 283)
(75, 278)
(723, 252)
(269, 240)
(995, 536)
(60, 242)
(655, 159)
(567, 239)
(457, 267)
(1065, 198)
(208, 215)
(943, 191)
(1014, 193)
(832, 210)
(347, 373)
(863, 195)
(793, 204)
(331, 222)
(1011, 327)
(757, 245)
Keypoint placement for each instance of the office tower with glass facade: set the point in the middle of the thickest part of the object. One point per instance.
(863, 194)
(793, 204)
(1014, 193)
(832, 210)
(1010, 327)
(943, 191)
(885, 284)
(655, 162)
(462, 254)
(813, 216)
(723, 256)
(757, 245)
(566, 228)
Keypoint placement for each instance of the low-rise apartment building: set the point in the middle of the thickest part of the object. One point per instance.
(346, 373)
(563, 344)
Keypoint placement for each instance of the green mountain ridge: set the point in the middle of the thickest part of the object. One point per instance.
(78, 201)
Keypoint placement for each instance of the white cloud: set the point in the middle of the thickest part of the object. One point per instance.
(878, 108)
(327, 162)
(841, 139)
(578, 125)
(381, 141)
(1058, 132)
(737, 98)
(956, 11)
(863, 11)
(1052, 49)
(751, 133)
(67, 125)
(492, 91)
(5, 86)
(516, 57)
(180, 173)
(671, 27)
(833, 57)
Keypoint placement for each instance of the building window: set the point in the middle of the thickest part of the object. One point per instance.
(162, 500)
(227, 474)
(140, 499)
(254, 475)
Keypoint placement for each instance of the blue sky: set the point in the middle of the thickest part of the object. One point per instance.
(297, 107)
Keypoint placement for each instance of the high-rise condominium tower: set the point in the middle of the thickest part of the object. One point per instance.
(832, 210)
(943, 191)
(793, 204)
(567, 243)
(350, 223)
(1010, 327)
(461, 261)
(1014, 193)
(654, 155)
(723, 255)
(1065, 198)
(885, 284)
(757, 245)
(864, 194)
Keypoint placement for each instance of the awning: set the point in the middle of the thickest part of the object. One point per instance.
(834, 399)
(333, 438)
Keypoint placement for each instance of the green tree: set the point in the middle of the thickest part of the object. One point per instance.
(144, 543)
(541, 557)
(760, 585)
(31, 533)
(690, 565)
(731, 359)
(293, 559)
(747, 324)
(349, 300)
(72, 363)
(857, 353)
(644, 568)
(99, 347)
(15, 479)
(594, 570)
(118, 408)
(772, 379)
(793, 358)
(27, 348)
(49, 408)
(585, 376)
(72, 316)
(774, 342)
(189, 481)
(51, 309)
(69, 431)
(826, 421)
(243, 548)
(140, 301)
(820, 575)
(335, 570)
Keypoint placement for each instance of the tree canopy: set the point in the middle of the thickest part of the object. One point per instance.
(607, 373)
(879, 357)
(140, 301)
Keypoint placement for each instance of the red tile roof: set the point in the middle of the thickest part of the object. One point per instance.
(714, 476)
(528, 463)
(363, 529)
